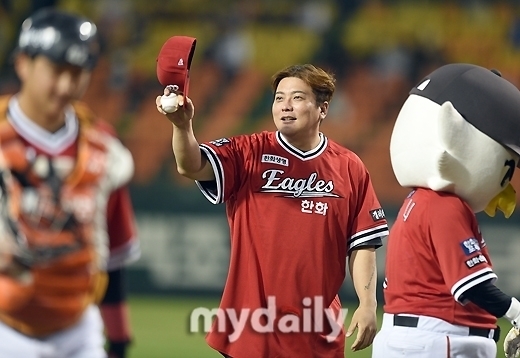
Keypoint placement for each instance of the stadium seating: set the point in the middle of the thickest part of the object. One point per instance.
(365, 103)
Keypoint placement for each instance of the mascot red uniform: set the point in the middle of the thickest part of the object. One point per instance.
(456, 143)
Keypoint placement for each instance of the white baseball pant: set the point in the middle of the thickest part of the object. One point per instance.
(83, 340)
(430, 338)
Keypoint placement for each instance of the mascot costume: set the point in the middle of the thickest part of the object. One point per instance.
(456, 144)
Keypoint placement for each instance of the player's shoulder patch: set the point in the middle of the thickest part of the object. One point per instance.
(377, 214)
(470, 246)
(220, 142)
(476, 260)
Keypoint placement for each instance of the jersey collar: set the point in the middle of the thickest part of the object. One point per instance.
(310, 154)
(50, 142)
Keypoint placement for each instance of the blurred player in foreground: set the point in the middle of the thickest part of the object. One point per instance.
(298, 206)
(69, 201)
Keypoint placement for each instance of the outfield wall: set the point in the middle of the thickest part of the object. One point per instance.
(190, 254)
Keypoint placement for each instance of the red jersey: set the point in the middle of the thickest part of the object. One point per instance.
(71, 190)
(294, 217)
(436, 253)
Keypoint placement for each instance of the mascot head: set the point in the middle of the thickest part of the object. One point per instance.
(459, 132)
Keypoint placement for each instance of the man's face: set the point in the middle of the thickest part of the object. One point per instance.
(295, 112)
(50, 86)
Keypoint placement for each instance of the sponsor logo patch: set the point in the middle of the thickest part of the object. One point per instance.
(275, 159)
(220, 142)
(377, 214)
(474, 261)
(469, 246)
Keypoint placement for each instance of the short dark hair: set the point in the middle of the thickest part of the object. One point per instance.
(322, 82)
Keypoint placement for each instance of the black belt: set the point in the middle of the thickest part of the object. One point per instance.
(409, 321)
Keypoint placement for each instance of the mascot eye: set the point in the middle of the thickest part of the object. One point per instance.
(510, 164)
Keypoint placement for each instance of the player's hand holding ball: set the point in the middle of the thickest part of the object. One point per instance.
(512, 343)
(177, 108)
(170, 102)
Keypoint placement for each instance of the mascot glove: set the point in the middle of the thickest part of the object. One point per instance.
(512, 340)
(512, 343)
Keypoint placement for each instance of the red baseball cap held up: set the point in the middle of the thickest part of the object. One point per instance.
(174, 62)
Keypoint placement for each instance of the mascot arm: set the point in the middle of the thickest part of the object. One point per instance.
(488, 297)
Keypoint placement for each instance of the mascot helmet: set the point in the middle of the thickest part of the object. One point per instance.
(459, 132)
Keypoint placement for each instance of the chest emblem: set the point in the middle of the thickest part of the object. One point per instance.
(275, 159)
(311, 187)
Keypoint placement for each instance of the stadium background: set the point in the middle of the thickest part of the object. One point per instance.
(378, 51)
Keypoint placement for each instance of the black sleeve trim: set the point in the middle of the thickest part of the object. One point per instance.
(375, 243)
(488, 297)
(116, 288)
(210, 185)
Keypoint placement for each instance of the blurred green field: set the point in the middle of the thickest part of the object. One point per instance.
(160, 326)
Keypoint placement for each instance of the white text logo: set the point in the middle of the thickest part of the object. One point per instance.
(262, 320)
(297, 188)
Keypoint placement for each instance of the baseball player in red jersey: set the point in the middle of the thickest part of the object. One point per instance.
(297, 204)
(454, 143)
(69, 176)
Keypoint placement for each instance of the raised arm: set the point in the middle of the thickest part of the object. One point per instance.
(191, 163)
(490, 298)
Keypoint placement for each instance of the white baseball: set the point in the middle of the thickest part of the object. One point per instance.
(170, 103)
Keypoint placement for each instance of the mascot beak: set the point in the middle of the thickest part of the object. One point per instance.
(505, 201)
